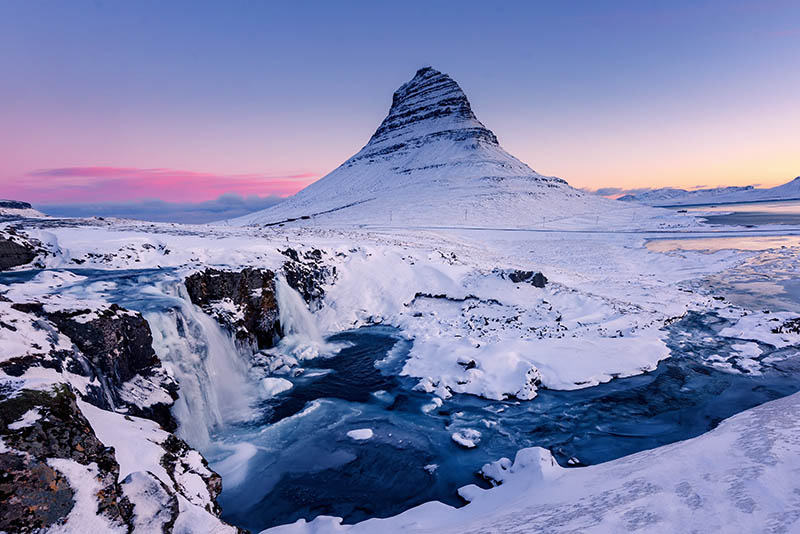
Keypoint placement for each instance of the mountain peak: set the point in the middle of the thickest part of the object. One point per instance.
(430, 161)
(430, 104)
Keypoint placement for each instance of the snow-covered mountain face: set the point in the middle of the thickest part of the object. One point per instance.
(432, 162)
(680, 197)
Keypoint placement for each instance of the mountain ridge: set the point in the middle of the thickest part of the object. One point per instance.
(669, 196)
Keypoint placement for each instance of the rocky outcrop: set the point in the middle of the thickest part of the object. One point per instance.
(791, 326)
(536, 279)
(115, 353)
(37, 427)
(431, 98)
(59, 455)
(307, 274)
(242, 301)
(15, 205)
(14, 252)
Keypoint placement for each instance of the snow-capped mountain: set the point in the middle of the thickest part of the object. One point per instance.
(432, 162)
(669, 196)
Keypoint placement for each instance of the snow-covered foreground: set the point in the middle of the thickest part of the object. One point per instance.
(740, 477)
(478, 324)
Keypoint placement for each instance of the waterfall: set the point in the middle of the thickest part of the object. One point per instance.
(213, 376)
(296, 319)
(217, 388)
(301, 336)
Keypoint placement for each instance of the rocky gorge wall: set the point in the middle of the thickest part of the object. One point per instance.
(50, 451)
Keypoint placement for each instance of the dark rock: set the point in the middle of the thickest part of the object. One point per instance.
(430, 95)
(14, 254)
(306, 273)
(149, 488)
(15, 205)
(792, 326)
(118, 342)
(176, 453)
(536, 279)
(115, 347)
(252, 292)
(468, 364)
(33, 494)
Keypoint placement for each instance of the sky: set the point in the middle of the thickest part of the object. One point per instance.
(203, 108)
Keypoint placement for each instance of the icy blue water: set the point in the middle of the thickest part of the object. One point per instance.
(301, 463)
(785, 212)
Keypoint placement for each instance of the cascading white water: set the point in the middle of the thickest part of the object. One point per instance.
(301, 336)
(215, 389)
(296, 319)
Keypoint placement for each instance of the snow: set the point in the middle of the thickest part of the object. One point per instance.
(136, 441)
(22, 334)
(759, 326)
(137, 448)
(28, 419)
(83, 479)
(152, 501)
(16, 209)
(360, 434)
(423, 226)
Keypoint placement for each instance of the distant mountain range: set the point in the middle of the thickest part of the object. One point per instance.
(719, 195)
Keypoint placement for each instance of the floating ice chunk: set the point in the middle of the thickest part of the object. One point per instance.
(435, 403)
(360, 434)
(431, 468)
(383, 396)
(467, 438)
(272, 385)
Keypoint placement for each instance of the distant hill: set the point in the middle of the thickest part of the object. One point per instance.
(720, 195)
(17, 208)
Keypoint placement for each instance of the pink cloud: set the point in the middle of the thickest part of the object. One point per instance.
(115, 184)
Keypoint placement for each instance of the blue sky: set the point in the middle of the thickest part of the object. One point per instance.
(259, 98)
